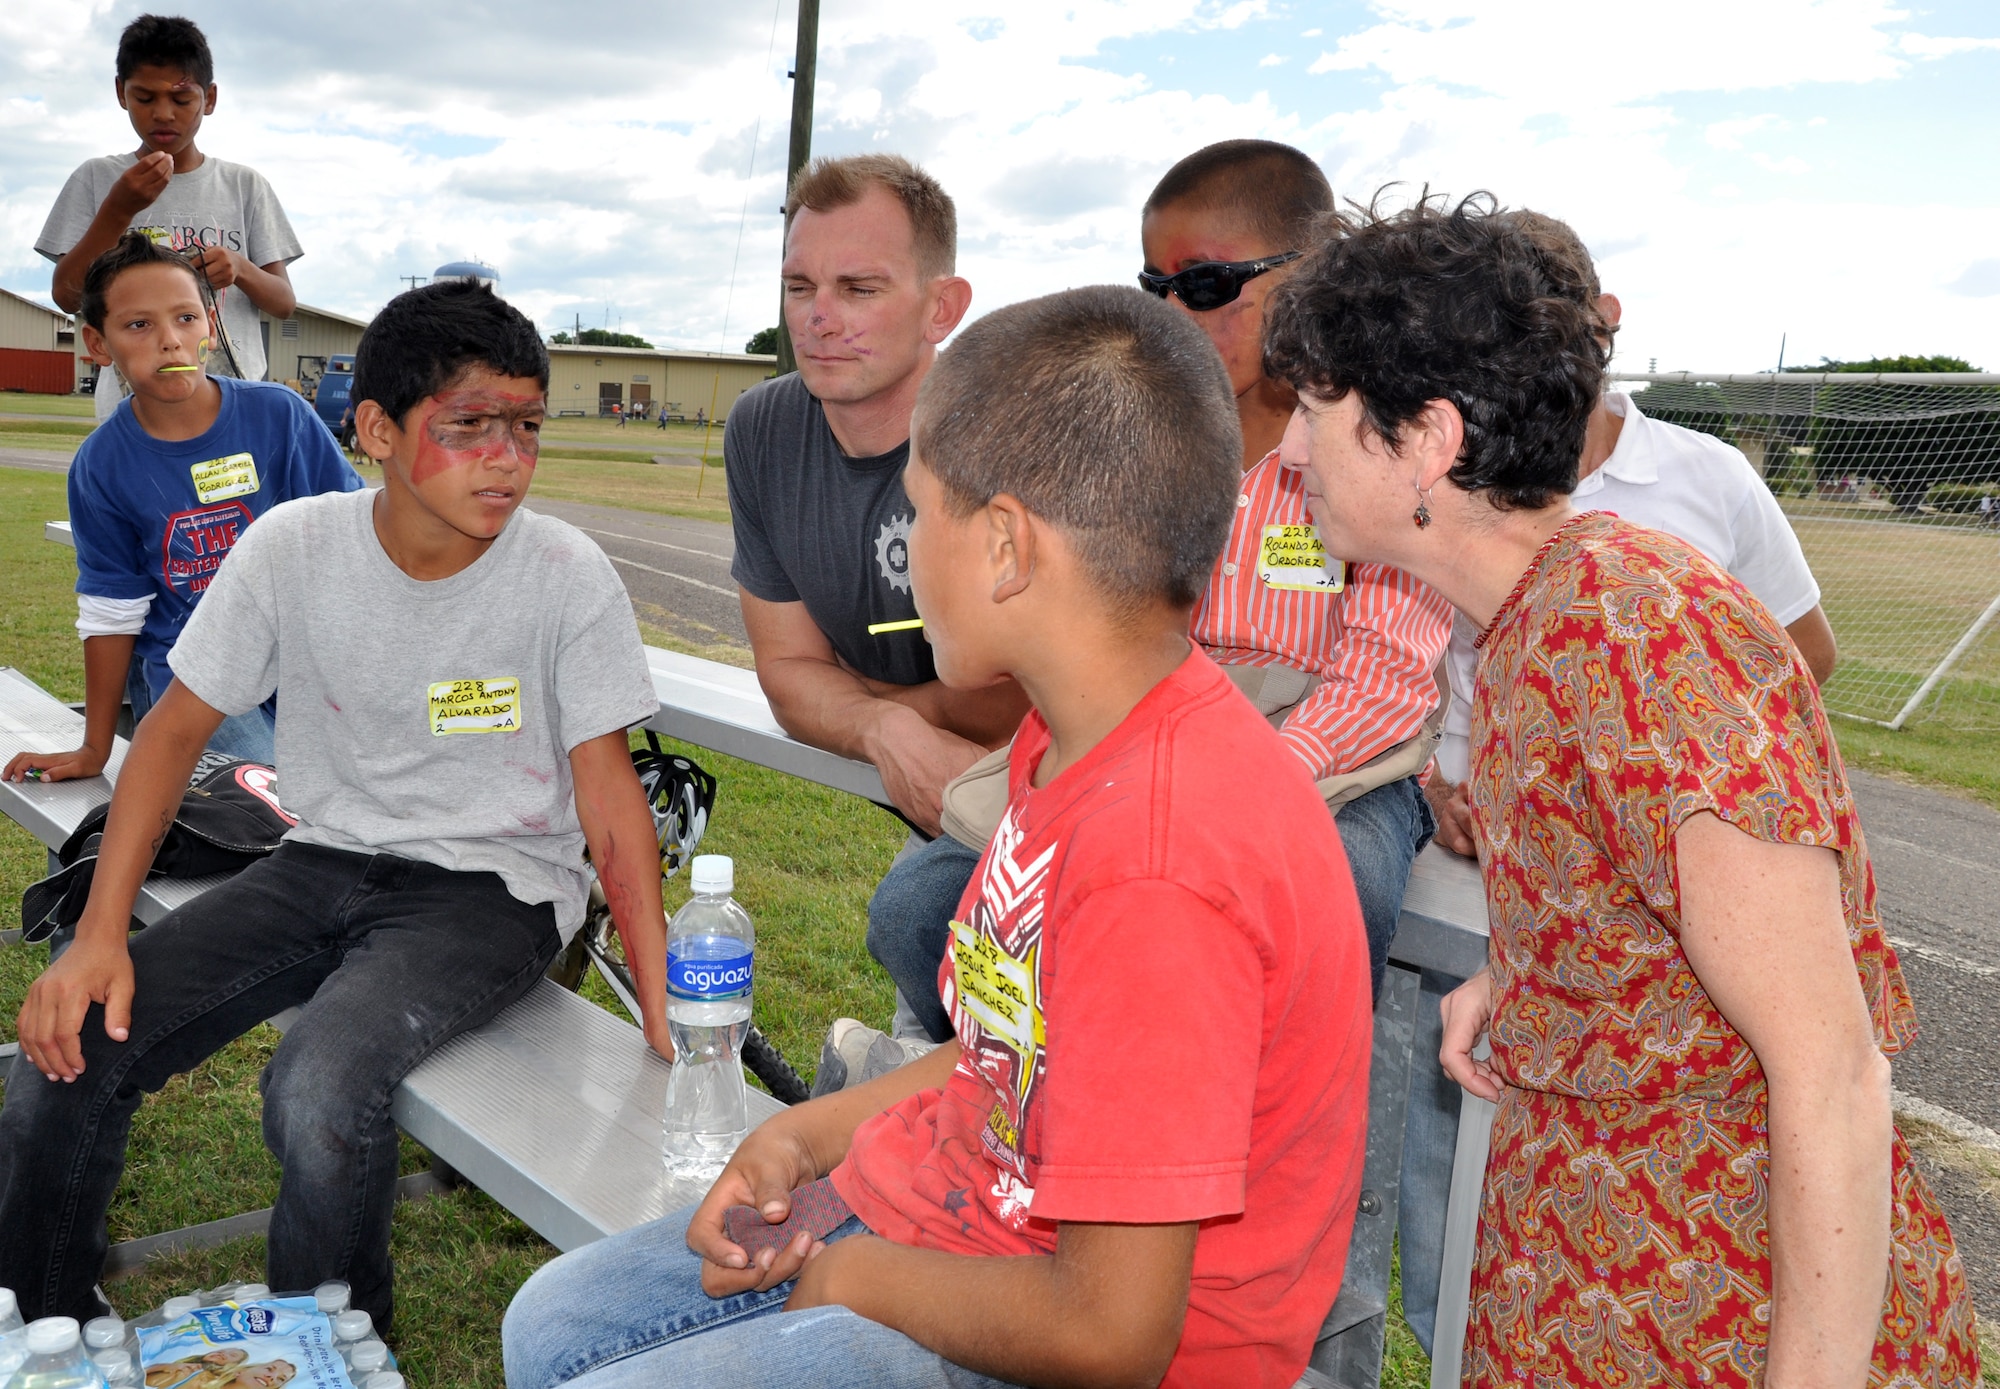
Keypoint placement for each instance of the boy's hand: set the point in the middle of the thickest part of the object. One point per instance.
(55, 766)
(771, 1163)
(51, 1023)
(140, 186)
(223, 268)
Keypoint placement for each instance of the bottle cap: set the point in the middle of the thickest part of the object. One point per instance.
(369, 1356)
(180, 1306)
(331, 1298)
(713, 873)
(52, 1336)
(352, 1326)
(250, 1292)
(383, 1379)
(101, 1333)
(116, 1362)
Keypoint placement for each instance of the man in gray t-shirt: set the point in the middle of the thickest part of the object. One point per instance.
(816, 485)
(223, 215)
(455, 679)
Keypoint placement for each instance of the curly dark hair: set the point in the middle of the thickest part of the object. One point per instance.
(1455, 303)
(426, 338)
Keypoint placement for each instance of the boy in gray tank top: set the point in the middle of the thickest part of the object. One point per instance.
(455, 676)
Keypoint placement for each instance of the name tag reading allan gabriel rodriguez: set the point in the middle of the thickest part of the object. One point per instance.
(1293, 557)
(475, 706)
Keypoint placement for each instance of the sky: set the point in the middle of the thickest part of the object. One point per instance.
(1816, 173)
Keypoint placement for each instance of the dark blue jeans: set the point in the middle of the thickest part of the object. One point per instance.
(909, 917)
(389, 959)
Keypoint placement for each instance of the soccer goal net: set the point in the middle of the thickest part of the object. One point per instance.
(1892, 483)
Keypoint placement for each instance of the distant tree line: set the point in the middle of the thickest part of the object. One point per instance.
(600, 337)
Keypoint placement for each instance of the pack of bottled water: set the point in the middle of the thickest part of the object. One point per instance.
(237, 1336)
(710, 949)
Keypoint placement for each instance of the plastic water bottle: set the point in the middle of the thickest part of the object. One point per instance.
(115, 1364)
(331, 1298)
(709, 950)
(351, 1327)
(13, 1336)
(367, 1357)
(55, 1358)
(103, 1333)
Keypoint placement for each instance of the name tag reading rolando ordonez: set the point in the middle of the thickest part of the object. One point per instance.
(1293, 557)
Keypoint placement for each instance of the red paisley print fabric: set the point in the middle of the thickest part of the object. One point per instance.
(1626, 685)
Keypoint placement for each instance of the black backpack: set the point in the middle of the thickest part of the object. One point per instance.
(229, 818)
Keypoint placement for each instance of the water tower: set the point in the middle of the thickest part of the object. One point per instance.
(469, 270)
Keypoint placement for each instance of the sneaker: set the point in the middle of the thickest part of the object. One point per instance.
(855, 1053)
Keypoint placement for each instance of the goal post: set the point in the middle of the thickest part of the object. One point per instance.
(1892, 483)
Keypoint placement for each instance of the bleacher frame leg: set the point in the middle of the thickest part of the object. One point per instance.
(1352, 1339)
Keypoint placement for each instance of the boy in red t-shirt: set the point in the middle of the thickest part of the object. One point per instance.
(1164, 863)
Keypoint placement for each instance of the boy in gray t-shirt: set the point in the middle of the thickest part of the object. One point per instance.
(456, 677)
(223, 216)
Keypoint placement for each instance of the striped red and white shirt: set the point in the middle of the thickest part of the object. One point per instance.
(1374, 645)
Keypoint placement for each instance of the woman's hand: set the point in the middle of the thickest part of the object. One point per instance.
(1466, 1011)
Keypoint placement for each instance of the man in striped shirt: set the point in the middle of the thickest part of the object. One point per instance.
(1340, 657)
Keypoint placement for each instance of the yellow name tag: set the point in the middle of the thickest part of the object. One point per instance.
(998, 990)
(475, 706)
(1292, 557)
(219, 479)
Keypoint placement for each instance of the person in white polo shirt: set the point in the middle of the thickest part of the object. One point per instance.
(1656, 474)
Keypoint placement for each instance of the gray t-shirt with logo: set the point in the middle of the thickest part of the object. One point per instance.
(815, 526)
(427, 719)
(214, 204)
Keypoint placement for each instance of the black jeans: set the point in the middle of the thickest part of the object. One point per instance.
(389, 959)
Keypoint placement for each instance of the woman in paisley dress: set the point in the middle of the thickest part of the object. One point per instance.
(1695, 1179)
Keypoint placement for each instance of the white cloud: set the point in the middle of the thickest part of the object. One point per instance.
(1272, 60)
(1920, 46)
(603, 162)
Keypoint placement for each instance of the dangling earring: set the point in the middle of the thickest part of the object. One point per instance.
(1422, 516)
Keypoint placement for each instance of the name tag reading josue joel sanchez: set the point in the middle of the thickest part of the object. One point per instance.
(998, 990)
(1292, 557)
(476, 706)
(219, 479)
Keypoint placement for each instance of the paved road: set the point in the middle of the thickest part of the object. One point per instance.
(1937, 863)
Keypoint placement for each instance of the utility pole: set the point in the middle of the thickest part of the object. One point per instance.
(804, 64)
(414, 280)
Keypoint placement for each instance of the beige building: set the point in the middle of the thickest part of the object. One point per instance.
(297, 347)
(671, 380)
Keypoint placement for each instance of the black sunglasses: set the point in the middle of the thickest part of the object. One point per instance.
(1211, 283)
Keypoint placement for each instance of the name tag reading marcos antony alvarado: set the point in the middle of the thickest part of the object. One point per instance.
(1292, 557)
(476, 706)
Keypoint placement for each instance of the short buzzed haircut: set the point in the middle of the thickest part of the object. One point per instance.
(826, 184)
(1566, 259)
(165, 41)
(1275, 190)
(1104, 411)
(426, 338)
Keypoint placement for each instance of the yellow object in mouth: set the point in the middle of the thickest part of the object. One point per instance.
(876, 629)
(180, 368)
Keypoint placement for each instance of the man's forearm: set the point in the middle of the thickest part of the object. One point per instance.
(269, 291)
(821, 704)
(987, 716)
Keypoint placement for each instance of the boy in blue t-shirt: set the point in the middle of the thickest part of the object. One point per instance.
(162, 490)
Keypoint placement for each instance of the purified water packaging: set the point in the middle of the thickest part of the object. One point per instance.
(260, 1343)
